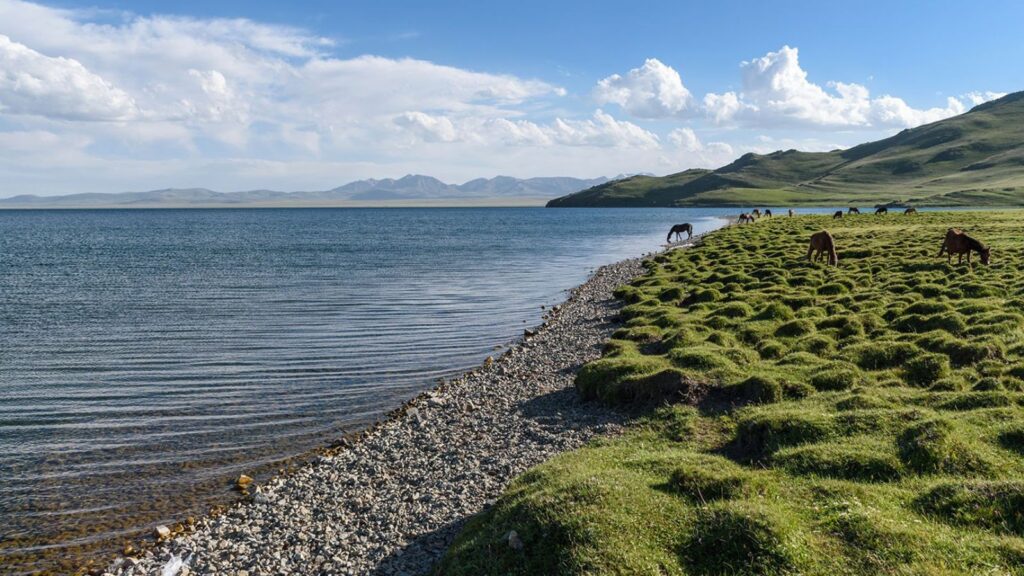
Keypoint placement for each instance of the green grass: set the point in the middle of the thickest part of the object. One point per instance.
(973, 159)
(789, 429)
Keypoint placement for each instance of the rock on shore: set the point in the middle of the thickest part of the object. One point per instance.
(393, 501)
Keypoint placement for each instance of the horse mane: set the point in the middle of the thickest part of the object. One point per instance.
(974, 244)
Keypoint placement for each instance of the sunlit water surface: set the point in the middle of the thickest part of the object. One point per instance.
(147, 357)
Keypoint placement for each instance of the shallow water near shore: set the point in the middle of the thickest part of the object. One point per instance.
(150, 356)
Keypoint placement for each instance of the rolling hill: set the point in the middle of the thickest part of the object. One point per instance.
(411, 188)
(976, 158)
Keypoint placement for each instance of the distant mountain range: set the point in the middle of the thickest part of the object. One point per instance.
(976, 158)
(412, 188)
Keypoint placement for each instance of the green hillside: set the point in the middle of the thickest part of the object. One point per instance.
(971, 159)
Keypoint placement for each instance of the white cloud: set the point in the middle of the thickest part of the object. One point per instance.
(976, 98)
(685, 138)
(652, 91)
(691, 151)
(429, 128)
(601, 131)
(36, 84)
(777, 93)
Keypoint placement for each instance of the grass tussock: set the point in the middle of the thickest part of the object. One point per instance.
(802, 419)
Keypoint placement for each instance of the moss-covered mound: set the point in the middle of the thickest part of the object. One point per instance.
(860, 419)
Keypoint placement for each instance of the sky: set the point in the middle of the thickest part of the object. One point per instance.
(114, 95)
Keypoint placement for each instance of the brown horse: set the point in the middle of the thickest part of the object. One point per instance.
(745, 218)
(838, 214)
(791, 212)
(959, 243)
(910, 210)
(822, 242)
(767, 212)
(678, 230)
(881, 210)
(853, 210)
(756, 213)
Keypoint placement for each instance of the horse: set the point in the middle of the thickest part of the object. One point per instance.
(853, 210)
(822, 242)
(959, 243)
(838, 214)
(743, 218)
(678, 230)
(910, 210)
(881, 210)
(791, 212)
(756, 213)
(767, 213)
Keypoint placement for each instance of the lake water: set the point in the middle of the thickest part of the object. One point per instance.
(147, 357)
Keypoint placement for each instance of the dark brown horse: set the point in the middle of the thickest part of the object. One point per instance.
(821, 244)
(853, 210)
(678, 230)
(881, 210)
(910, 210)
(959, 243)
(838, 214)
(767, 212)
(791, 212)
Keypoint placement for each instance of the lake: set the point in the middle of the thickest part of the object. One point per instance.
(147, 357)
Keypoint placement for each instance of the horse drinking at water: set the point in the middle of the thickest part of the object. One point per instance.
(678, 230)
(821, 243)
(959, 243)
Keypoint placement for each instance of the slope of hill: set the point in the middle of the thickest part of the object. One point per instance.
(970, 159)
(412, 188)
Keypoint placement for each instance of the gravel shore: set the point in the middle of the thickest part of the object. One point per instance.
(392, 501)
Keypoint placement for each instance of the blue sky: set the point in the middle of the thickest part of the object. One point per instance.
(121, 95)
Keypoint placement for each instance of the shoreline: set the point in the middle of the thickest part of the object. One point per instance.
(360, 505)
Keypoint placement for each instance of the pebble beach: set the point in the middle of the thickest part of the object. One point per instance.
(392, 500)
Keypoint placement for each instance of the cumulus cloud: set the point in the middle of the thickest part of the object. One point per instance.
(36, 84)
(429, 128)
(601, 131)
(976, 98)
(777, 92)
(691, 151)
(652, 91)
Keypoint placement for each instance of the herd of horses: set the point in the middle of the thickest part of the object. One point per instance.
(823, 245)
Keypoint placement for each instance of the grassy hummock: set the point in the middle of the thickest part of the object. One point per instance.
(796, 418)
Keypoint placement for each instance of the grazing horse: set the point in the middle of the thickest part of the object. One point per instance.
(959, 243)
(767, 213)
(678, 230)
(910, 210)
(822, 242)
(838, 214)
(853, 210)
(756, 213)
(791, 212)
(745, 218)
(881, 210)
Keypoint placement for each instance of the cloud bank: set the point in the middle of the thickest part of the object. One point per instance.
(123, 101)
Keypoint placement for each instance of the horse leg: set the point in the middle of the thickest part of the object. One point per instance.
(809, 252)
